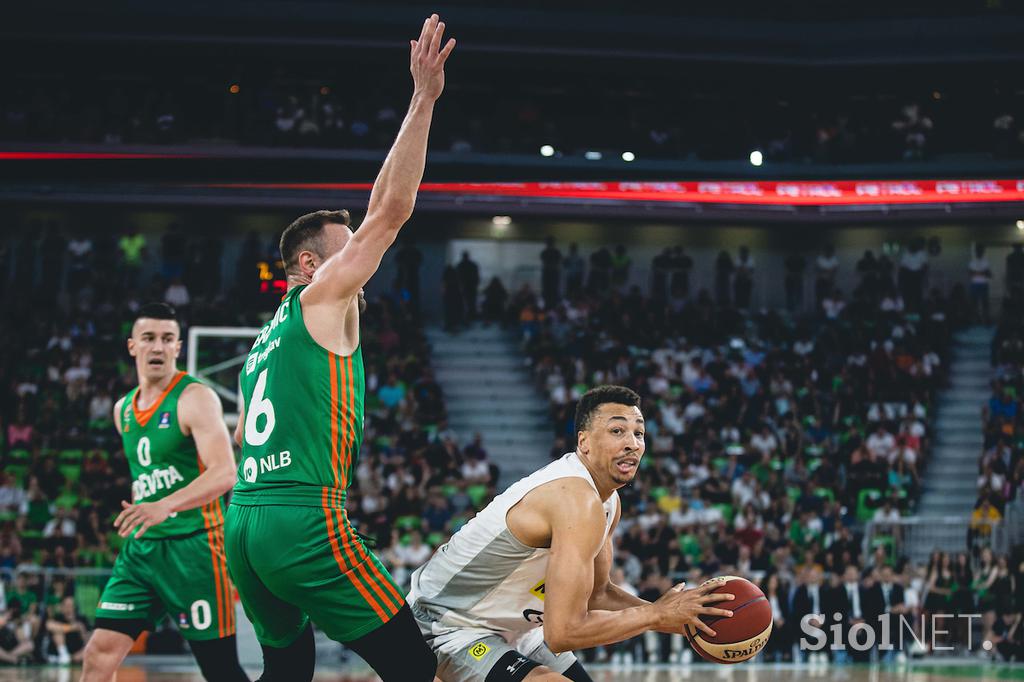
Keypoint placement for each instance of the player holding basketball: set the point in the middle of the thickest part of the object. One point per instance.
(181, 462)
(527, 580)
(292, 552)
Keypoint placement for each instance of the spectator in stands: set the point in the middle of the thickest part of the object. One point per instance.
(881, 443)
(795, 264)
(826, 268)
(980, 275)
(550, 273)
(743, 282)
(452, 299)
(469, 282)
(984, 516)
(620, 267)
(15, 636)
(724, 269)
(177, 294)
(574, 267)
(661, 268)
(1005, 634)
(915, 129)
(68, 633)
(913, 272)
(495, 301)
(1015, 271)
(409, 259)
(132, 250)
(600, 270)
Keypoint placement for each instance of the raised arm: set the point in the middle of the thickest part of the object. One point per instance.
(201, 416)
(394, 192)
(576, 541)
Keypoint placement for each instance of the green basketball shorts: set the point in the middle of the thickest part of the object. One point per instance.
(293, 563)
(186, 578)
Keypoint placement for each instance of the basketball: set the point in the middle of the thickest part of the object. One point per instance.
(740, 637)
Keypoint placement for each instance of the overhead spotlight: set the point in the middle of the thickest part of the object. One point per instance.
(502, 220)
(592, 156)
(756, 158)
(628, 156)
(547, 150)
(1020, 225)
(234, 89)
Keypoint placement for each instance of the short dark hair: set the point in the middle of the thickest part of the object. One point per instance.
(304, 235)
(157, 311)
(593, 399)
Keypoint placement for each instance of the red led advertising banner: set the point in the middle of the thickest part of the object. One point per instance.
(809, 193)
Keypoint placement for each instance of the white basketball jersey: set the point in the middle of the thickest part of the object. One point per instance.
(484, 581)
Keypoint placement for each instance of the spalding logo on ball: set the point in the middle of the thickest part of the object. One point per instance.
(740, 637)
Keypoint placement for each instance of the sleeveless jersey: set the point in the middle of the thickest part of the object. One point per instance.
(303, 416)
(163, 460)
(484, 581)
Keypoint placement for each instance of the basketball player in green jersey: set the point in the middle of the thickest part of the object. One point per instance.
(173, 562)
(292, 552)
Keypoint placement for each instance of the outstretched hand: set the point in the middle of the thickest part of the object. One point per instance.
(427, 59)
(679, 607)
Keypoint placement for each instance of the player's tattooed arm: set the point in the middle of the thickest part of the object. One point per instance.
(201, 416)
(394, 192)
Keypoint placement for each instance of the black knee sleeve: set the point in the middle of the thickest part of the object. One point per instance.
(397, 651)
(294, 662)
(512, 667)
(218, 659)
(132, 627)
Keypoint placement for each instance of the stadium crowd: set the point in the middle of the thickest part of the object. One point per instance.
(314, 109)
(773, 436)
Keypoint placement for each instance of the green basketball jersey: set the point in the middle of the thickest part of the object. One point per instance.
(303, 416)
(163, 459)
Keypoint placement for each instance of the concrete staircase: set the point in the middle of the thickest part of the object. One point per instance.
(488, 389)
(950, 484)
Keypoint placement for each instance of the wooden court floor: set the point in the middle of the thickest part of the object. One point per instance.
(939, 672)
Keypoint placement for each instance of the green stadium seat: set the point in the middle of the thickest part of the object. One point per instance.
(18, 471)
(71, 472)
(407, 523)
(866, 503)
(477, 494)
(825, 493)
(20, 455)
(71, 455)
(727, 510)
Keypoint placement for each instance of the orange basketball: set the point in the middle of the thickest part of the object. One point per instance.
(740, 637)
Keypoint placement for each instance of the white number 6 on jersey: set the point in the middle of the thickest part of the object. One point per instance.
(259, 404)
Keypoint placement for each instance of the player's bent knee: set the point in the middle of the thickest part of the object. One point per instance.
(104, 652)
